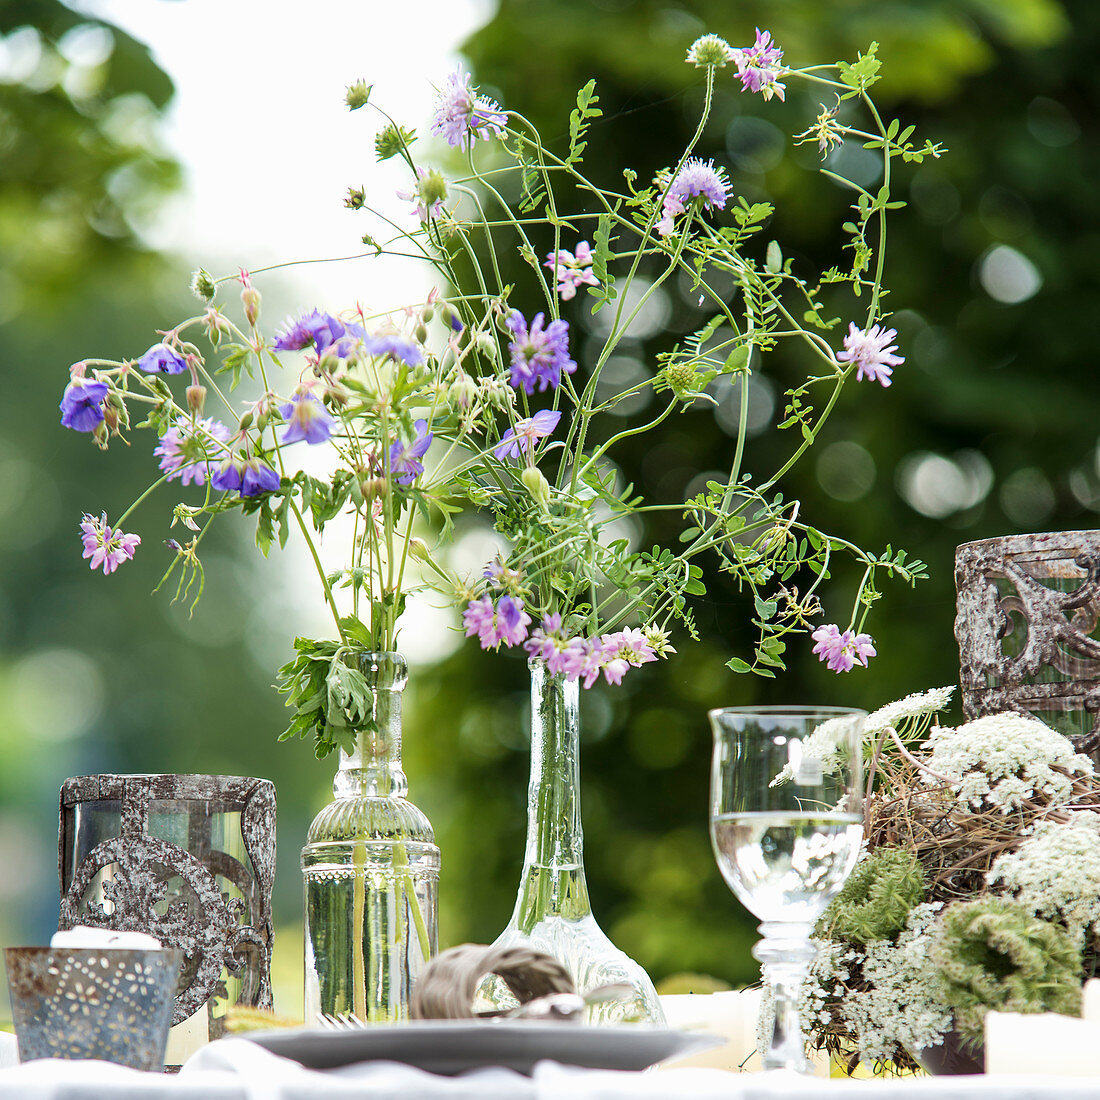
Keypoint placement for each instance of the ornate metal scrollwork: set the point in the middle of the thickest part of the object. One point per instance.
(1028, 607)
(173, 893)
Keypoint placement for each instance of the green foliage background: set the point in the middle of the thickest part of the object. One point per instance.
(1002, 393)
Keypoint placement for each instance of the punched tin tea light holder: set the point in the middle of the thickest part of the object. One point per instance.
(1028, 628)
(189, 859)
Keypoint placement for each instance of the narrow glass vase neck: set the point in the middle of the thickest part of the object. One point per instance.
(553, 881)
(373, 768)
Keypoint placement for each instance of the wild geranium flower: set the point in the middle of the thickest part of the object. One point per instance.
(161, 359)
(462, 116)
(872, 352)
(538, 354)
(227, 477)
(186, 449)
(696, 180)
(520, 439)
(395, 345)
(405, 464)
(327, 333)
(306, 418)
(842, 650)
(257, 477)
(572, 269)
(760, 66)
(107, 546)
(82, 405)
(506, 623)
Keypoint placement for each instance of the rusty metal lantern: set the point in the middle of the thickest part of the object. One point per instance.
(189, 859)
(1028, 627)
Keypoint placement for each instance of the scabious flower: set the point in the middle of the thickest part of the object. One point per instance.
(107, 546)
(760, 66)
(82, 405)
(842, 650)
(538, 354)
(572, 269)
(185, 449)
(306, 419)
(520, 439)
(405, 464)
(506, 623)
(161, 359)
(462, 116)
(872, 352)
(710, 50)
(696, 180)
(428, 194)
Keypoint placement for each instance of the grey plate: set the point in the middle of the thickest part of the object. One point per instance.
(454, 1046)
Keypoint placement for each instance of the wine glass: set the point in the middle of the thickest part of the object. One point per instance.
(786, 824)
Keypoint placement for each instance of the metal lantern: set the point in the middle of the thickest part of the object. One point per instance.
(189, 859)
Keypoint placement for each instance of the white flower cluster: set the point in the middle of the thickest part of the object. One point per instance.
(1002, 760)
(822, 745)
(920, 705)
(902, 1006)
(1056, 871)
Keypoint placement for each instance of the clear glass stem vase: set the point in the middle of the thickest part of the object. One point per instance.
(552, 911)
(371, 871)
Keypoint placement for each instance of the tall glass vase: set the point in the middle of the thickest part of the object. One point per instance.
(371, 871)
(552, 911)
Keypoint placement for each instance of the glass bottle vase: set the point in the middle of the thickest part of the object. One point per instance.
(552, 911)
(371, 870)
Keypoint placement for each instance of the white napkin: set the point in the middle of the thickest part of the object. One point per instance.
(83, 937)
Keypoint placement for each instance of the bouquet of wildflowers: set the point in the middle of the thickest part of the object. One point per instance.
(977, 889)
(572, 588)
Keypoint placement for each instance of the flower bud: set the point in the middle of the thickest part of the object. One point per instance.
(418, 549)
(462, 391)
(196, 399)
(421, 334)
(358, 94)
(537, 485)
(356, 198)
(428, 312)
(487, 346)
(710, 51)
(250, 299)
(203, 285)
(374, 487)
(245, 422)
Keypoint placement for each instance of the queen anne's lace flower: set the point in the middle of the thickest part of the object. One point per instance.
(1056, 871)
(1002, 760)
(919, 705)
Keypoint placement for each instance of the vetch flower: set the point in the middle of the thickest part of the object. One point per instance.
(520, 439)
(462, 116)
(107, 546)
(405, 464)
(82, 405)
(161, 359)
(710, 50)
(306, 419)
(572, 269)
(186, 449)
(872, 352)
(841, 651)
(760, 66)
(257, 477)
(506, 623)
(696, 180)
(538, 354)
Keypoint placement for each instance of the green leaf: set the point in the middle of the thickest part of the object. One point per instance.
(773, 258)
(735, 664)
(585, 110)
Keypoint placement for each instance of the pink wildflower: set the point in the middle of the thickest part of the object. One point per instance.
(106, 546)
(872, 353)
(841, 651)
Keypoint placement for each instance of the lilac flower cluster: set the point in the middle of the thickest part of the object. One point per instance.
(462, 116)
(539, 354)
(760, 66)
(872, 353)
(572, 270)
(185, 449)
(107, 546)
(842, 650)
(696, 180)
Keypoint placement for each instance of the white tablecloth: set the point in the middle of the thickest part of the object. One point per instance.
(238, 1070)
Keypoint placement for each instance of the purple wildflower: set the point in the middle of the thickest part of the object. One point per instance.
(227, 477)
(585, 660)
(538, 355)
(306, 419)
(872, 352)
(547, 643)
(520, 439)
(324, 331)
(161, 359)
(630, 645)
(257, 477)
(842, 650)
(82, 405)
(185, 449)
(105, 545)
(695, 180)
(505, 623)
(572, 269)
(399, 347)
(405, 464)
(760, 66)
(461, 116)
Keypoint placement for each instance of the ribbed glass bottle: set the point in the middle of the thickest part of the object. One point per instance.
(552, 911)
(371, 870)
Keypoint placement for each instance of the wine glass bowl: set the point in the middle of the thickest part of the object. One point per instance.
(786, 824)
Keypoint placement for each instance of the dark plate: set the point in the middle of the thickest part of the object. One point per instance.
(454, 1046)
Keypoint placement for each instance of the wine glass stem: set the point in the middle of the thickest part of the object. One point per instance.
(786, 953)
